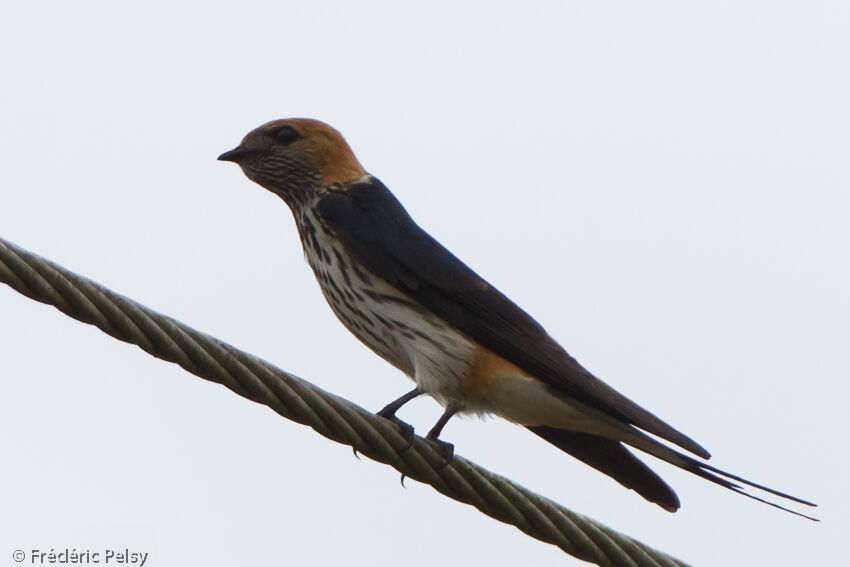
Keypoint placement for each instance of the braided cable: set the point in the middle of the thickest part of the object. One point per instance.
(331, 416)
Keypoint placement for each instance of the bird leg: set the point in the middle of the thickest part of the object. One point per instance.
(389, 413)
(447, 450)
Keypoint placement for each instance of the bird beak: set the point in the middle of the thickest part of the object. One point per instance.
(234, 155)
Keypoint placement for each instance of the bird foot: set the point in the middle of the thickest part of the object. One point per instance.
(405, 429)
(446, 450)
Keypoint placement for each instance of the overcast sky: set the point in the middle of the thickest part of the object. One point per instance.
(664, 187)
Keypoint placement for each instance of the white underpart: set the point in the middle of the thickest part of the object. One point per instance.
(413, 347)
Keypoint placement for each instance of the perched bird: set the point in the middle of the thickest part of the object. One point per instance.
(461, 341)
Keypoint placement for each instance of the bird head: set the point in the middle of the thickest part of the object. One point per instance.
(295, 157)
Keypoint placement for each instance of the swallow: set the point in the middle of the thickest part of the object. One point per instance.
(459, 339)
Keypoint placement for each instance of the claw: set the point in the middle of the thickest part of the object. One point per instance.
(356, 454)
(405, 429)
(446, 450)
(407, 433)
(403, 476)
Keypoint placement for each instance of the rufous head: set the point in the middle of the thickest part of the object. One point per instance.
(293, 156)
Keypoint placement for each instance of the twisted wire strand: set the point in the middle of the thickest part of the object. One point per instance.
(331, 416)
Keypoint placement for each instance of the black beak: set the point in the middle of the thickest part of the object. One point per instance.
(235, 154)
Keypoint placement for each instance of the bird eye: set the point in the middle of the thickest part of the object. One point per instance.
(284, 135)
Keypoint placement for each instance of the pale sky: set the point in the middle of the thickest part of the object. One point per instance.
(663, 186)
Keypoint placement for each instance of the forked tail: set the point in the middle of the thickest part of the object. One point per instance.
(615, 460)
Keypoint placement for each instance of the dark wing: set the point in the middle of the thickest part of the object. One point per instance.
(376, 230)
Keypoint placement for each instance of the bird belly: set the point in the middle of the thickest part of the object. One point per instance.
(414, 340)
(417, 342)
(385, 319)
